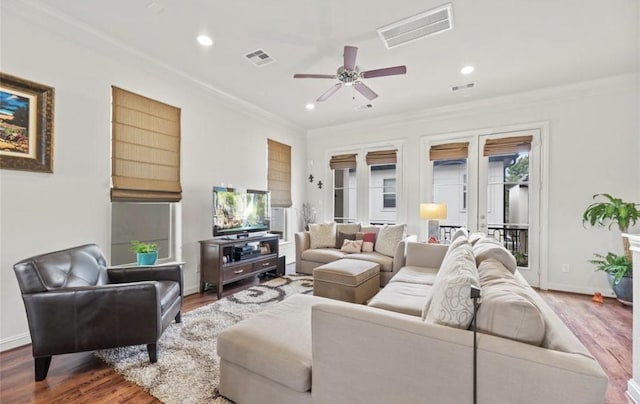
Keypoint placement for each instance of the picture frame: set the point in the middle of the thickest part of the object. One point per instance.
(26, 125)
(265, 248)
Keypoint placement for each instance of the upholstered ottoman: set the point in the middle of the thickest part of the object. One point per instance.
(349, 280)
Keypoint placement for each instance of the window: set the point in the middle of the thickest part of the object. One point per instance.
(344, 188)
(450, 183)
(382, 186)
(279, 183)
(145, 176)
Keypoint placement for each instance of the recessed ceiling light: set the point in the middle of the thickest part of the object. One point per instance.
(467, 70)
(310, 106)
(205, 40)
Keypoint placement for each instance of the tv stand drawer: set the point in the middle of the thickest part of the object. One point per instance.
(236, 271)
(267, 263)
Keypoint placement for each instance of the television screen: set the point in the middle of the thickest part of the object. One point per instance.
(238, 211)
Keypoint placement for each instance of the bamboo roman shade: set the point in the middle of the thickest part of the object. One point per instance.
(145, 161)
(449, 151)
(279, 173)
(343, 161)
(506, 145)
(382, 157)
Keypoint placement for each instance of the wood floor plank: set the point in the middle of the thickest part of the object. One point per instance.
(604, 328)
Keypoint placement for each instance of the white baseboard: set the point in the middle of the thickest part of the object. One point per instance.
(191, 290)
(14, 341)
(578, 289)
(633, 390)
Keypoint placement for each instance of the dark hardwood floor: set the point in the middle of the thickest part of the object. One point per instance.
(605, 329)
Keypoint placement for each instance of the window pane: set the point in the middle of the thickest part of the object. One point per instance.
(148, 222)
(382, 194)
(344, 191)
(278, 222)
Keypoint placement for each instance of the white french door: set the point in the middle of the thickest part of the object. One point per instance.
(495, 190)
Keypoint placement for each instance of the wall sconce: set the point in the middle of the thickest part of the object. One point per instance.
(433, 212)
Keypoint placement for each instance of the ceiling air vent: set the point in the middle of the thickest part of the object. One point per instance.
(259, 57)
(463, 86)
(425, 24)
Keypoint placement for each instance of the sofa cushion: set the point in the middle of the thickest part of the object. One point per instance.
(475, 237)
(341, 237)
(460, 232)
(351, 246)
(322, 235)
(402, 297)
(386, 263)
(491, 248)
(388, 239)
(323, 255)
(370, 229)
(492, 269)
(508, 310)
(413, 274)
(347, 228)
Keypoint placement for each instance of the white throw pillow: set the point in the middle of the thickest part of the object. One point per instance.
(508, 310)
(322, 235)
(367, 246)
(388, 239)
(352, 246)
(485, 249)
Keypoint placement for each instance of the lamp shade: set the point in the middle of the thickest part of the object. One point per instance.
(433, 211)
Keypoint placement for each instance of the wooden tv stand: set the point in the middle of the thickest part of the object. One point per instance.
(223, 261)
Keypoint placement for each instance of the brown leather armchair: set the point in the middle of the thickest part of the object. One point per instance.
(75, 303)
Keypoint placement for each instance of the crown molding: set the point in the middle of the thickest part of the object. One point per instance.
(82, 34)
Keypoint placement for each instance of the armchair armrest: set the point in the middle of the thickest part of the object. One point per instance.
(93, 317)
(169, 272)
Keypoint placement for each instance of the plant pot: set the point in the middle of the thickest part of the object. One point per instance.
(147, 258)
(623, 290)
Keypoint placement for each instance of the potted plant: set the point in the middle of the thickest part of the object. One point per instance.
(147, 253)
(618, 267)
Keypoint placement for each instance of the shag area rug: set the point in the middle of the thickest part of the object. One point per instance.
(187, 371)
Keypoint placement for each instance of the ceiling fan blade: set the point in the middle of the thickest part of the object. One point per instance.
(387, 71)
(350, 53)
(314, 76)
(329, 92)
(364, 90)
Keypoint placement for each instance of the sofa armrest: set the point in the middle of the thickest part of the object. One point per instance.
(303, 242)
(401, 252)
(425, 254)
(363, 355)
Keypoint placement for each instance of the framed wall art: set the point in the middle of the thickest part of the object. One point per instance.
(26, 125)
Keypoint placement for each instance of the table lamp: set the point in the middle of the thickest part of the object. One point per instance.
(433, 212)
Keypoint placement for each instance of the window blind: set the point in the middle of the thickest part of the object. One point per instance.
(449, 151)
(381, 157)
(145, 159)
(343, 161)
(279, 173)
(506, 145)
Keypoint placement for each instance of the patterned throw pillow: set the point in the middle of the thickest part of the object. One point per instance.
(342, 237)
(352, 246)
(322, 235)
(388, 239)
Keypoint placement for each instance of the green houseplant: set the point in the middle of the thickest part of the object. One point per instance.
(147, 253)
(618, 267)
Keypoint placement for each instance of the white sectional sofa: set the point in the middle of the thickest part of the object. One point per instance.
(309, 349)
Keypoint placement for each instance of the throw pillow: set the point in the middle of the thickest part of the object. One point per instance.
(370, 229)
(322, 235)
(490, 249)
(367, 246)
(508, 310)
(475, 237)
(352, 246)
(460, 232)
(342, 237)
(388, 239)
(368, 239)
(450, 303)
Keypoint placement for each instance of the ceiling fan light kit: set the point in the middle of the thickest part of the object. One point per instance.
(349, 74)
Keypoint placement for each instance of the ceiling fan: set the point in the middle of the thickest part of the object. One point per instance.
(349, 75)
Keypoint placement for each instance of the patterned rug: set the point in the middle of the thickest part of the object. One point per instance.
(187, 371)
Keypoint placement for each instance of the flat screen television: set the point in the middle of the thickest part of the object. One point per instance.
(238, 212)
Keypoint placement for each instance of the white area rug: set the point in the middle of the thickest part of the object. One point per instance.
(187, 370)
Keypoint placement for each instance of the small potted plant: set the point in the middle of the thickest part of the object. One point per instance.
(618, 267)
(147, 253)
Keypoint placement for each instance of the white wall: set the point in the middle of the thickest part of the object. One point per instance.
(594, 139)
(222, 141)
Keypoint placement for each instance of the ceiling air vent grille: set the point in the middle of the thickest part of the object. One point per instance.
(259, 58)
(419, 26)
(463, 86)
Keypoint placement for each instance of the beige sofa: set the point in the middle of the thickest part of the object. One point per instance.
(308, 258)
(309, 349)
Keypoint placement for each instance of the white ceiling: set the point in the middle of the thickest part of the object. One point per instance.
(515, 45)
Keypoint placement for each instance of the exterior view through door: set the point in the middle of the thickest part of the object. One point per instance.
(491, 184)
